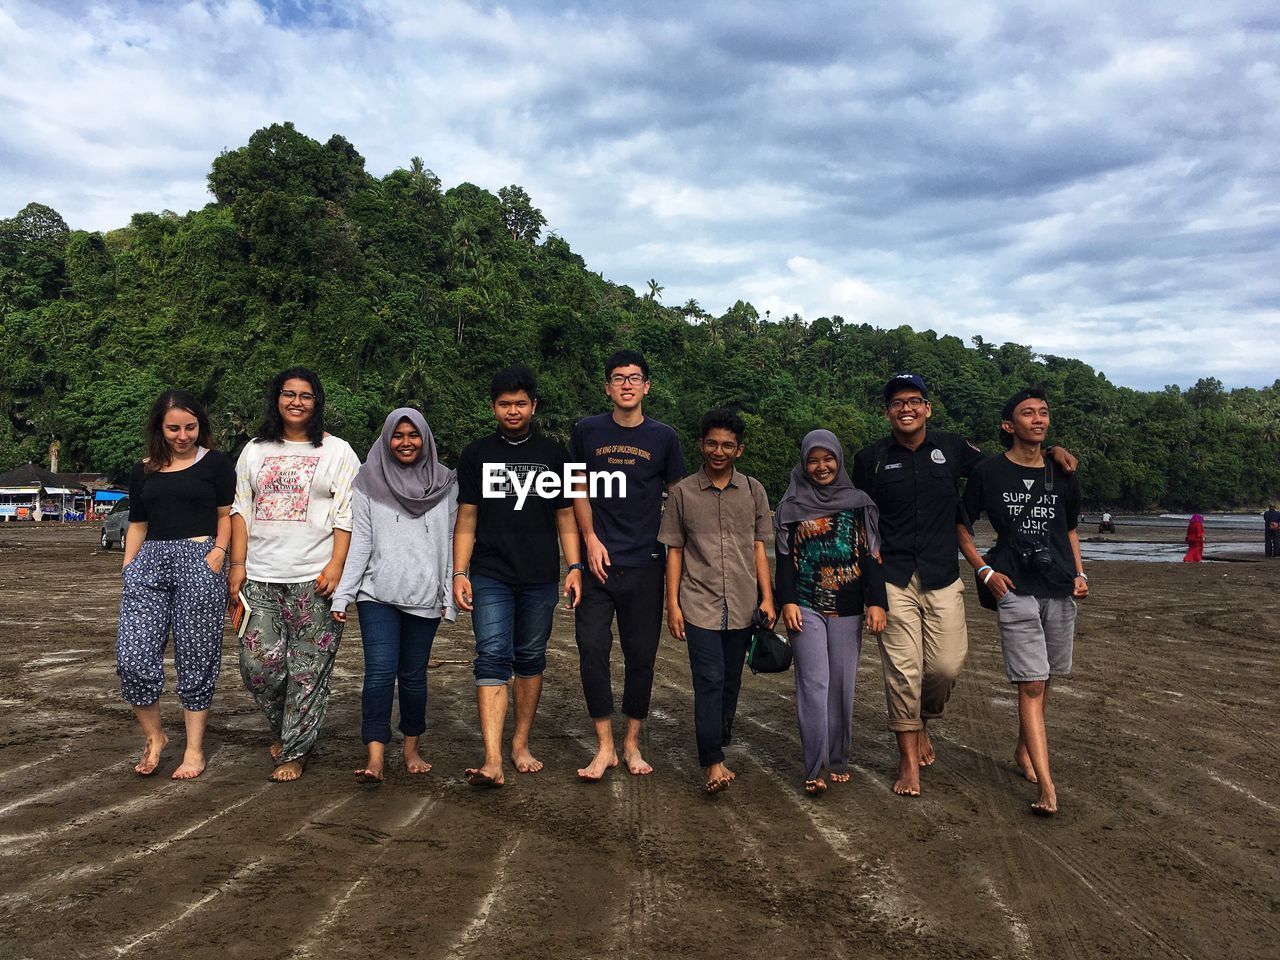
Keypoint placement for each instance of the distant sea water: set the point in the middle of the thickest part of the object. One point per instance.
(1225, 533)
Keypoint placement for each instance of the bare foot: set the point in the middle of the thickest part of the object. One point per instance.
(151, 756)
(414, 763)
(371, 772)
(276, 749)
(719, 777)
(287, 772)
(839, 777)
(525, 761)
(601, 763)
(815, 787)
(485, 776)
(635, 763)
(925, 746)
(191, 767)
(1023, 760)
(908, 782)
(1046, 805)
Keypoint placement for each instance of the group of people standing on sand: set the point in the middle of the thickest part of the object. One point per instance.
(302, 530)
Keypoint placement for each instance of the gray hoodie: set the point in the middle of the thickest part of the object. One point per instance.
(403, 561)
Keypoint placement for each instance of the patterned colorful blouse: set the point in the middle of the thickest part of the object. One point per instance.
(828, 568)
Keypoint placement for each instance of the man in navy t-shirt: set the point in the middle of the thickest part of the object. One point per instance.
(624, 558)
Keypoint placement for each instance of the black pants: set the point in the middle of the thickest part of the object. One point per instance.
(716, 657)
(1273, 543)
(635, 595)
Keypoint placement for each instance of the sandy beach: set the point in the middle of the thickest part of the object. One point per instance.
(1166, 844)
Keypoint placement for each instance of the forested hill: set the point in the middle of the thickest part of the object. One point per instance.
(398, 291)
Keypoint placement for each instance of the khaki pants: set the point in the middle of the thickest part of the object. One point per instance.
(922, 650)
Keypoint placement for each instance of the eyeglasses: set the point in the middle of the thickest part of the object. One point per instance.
(634, 379)
(711, 446)
(291, 395)
(915, 403)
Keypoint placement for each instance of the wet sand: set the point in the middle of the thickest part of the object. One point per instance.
(1166, 845)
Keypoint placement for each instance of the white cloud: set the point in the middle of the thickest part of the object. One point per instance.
(1092, 180)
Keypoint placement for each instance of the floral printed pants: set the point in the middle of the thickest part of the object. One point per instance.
(286, 658)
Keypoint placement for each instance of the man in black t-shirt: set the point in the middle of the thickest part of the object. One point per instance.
(1271, 528)
(511, 509)
(1034, 571)
(624, 557)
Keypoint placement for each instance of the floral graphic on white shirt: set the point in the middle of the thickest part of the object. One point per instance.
(284, 488)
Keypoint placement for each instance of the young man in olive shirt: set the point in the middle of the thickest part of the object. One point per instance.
(914, 476)
(715, 527)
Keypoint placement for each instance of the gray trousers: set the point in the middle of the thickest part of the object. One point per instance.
(826, 665)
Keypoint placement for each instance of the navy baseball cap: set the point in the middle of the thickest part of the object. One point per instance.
(905, 381)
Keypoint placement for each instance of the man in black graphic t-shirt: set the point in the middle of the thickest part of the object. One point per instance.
(1034, 570)
(624, 558)
(507, 565)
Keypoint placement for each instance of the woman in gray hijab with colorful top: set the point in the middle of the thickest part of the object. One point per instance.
(827, 573)
(399, 572)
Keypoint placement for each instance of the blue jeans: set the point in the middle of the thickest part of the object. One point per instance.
(716, 658)
(512, 623)
(396, 645)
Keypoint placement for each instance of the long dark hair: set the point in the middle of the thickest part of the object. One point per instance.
(272, 427)
(158, 453)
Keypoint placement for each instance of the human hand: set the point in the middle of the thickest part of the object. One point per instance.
(876, 619)
(792, 618)
(597, 558)
(462, 592)
(999, 584)
(235, 579)
(1064, 460)
(1081, 589)
(327, 582)
(675, 621)
(573, 588)
(769, 612)
(339, 616)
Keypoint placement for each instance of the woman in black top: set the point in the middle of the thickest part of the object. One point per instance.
(179, 526)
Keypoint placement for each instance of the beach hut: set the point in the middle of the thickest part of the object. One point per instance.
(30, 492)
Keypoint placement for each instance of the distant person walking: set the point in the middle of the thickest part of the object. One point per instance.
(179, 527)
(1271, 531)
(398, 572)
(1034, 571)
(826, 536)
(1195, 540)
(290, 532)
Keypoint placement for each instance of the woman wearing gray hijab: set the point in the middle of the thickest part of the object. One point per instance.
(827, 537)
(399, 572)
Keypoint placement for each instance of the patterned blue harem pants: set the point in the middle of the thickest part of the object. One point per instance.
(168, 586)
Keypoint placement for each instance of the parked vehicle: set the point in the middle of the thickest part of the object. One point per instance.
(115, 525)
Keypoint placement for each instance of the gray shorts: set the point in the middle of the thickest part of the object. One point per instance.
(1036, 636)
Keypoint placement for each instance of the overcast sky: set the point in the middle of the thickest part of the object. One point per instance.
(1097, 180)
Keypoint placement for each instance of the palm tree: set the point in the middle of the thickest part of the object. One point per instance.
(655, 291)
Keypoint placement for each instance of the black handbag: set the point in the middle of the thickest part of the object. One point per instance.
(767, 652)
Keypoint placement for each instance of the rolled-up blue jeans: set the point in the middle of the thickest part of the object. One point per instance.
(397, 645)
(512, 623)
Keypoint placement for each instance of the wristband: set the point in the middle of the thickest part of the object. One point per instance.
(237, 563)
(985, 566)
(218, 546)
(460, 573)
(987, 578)
(1082, 576)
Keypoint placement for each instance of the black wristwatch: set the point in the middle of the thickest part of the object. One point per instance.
(577, 566)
